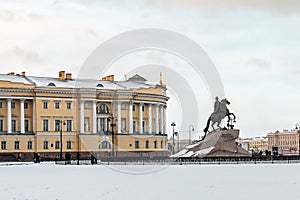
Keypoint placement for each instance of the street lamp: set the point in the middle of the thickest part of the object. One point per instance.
(60, 123)
(191, 128)
(298, 131)
(112, 133)
(177, 134)
(173, 125)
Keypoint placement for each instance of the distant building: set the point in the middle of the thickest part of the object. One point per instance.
(286, 141)
(256, 144)
(244, 143)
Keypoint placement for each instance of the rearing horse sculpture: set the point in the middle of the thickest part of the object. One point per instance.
(219, 115)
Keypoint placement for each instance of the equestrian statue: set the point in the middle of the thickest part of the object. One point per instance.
(220, 112)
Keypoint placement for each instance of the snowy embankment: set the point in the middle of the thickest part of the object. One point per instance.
(207, 182)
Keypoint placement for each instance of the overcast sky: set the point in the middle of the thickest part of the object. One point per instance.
(254, 44)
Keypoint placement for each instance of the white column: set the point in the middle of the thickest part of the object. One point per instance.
(22, 115)
(98, 125)
(141, 118)
(150, 118)
(156, 119)
(94, 117)
(8, 115)
(105, 124)
(82, 116)
(162, 118)
(165, 119)
(33, 116)
(130, 118)
(119, 118)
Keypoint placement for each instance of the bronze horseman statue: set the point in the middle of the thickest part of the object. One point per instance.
(220, 112)
(221, 142)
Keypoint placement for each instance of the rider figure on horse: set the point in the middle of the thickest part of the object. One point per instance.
(220, 112)
(217, 105)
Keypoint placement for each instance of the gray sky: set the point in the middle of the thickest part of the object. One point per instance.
(254, 45)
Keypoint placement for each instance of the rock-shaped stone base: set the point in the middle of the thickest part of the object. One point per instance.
(216, 144)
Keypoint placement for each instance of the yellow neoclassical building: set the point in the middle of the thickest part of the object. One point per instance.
(105, 117)
(286, 141)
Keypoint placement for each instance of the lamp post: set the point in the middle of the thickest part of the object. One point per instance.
(191, 128)
(173, 125)
(112, 134)
(298, 131)
(177, 134)
(60, 123)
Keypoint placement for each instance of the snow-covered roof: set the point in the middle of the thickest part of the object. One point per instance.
(284, 132)
(76, 83)
(14, 78)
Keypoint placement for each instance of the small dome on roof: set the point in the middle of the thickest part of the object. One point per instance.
(51, 85)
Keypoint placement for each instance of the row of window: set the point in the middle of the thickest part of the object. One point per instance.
(57, 145)
(101, 108)
(13, 105)
(57, 105)
(14, 125)
(288, 142)
(104, 109)
(107, 145)
(103, 125)
(68, 124)
(57, 125)
(45, 105)
(103, 145)
(30, 146)
(16, 145)
(147, 144)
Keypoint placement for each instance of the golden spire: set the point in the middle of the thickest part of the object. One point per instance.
(161, 81)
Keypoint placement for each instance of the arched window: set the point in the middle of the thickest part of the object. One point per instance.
(102, 109)
(105, 145)
(51, 85)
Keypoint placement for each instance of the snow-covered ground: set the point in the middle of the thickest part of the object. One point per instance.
(204, 182)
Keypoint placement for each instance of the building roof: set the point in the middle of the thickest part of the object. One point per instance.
(14, 79)
(284, 132)
(135, 82)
